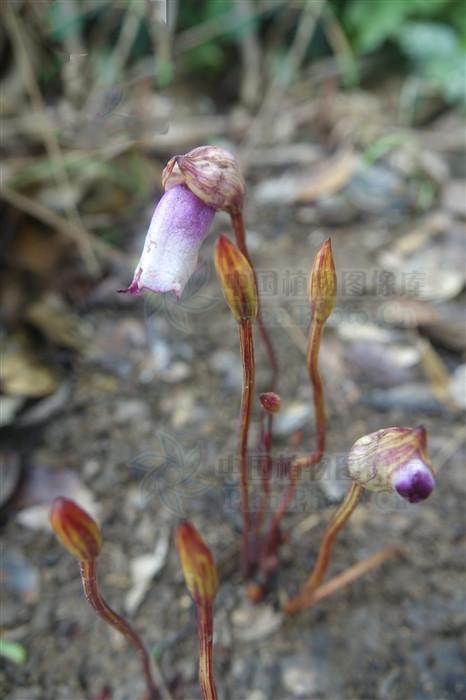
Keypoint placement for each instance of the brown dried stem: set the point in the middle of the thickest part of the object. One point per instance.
(95, 599)
(351, 574)
(305, 596)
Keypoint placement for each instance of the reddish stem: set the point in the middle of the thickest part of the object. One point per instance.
(205, 635)
(237, 221)
(247, 359)
(299, 464)
(94, 598)
(305, 596)
(265, 467)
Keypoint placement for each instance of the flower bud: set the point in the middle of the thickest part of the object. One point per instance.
(180, 223)
(197, 562)
(237, 280)
(270, 401)
(75, 529)
(393, 458)
(322, 286)
(211, 173)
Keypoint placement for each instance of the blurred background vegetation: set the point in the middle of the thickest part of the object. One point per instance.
(424, 39)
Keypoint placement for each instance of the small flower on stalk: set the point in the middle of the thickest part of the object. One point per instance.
(75, 529)
(197, 562)
(237, 280)
(179, 225)
(393, 458)
(322, 283)
(211, 173)
(270, 402)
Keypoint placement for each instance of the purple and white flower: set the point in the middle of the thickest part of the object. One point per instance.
(179, 225)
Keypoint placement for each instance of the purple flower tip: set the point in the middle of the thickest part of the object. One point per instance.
(414, 482)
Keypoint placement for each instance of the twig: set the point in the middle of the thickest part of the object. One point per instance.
(278, 86)
(82, 238)
(351, 574)
(54, 220)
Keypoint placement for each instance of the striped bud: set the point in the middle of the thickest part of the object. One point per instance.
(270, 401)
(75, 529)
(211, 173)
(197, 562)
(393, 458)
(237, 280)
(322, 286)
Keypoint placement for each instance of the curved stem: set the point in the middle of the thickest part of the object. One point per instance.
(94, 598)
(247, 359)
(237, 221)
(305, 595)
(205, 636)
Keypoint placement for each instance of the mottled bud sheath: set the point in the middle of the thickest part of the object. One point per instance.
(75, 529)
(322, 287)
(211, 173)
(197, 562)
(237, 280)
(393, 458)
(270, 401)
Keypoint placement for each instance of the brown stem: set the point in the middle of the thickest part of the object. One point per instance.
(94, 598)
(205, 635)
(237, 221)
(299, 464)
(247, 359)
(305, 595)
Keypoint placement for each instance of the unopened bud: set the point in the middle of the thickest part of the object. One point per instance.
(322, 286)
(211, 173)
(197, 562)
(270, 401)
(393, 458)
(75, 529)
(237, 280)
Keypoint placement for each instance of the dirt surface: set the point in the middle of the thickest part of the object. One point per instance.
(154, 397)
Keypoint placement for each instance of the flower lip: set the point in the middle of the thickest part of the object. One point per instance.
(179, 225)
(414, 482)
